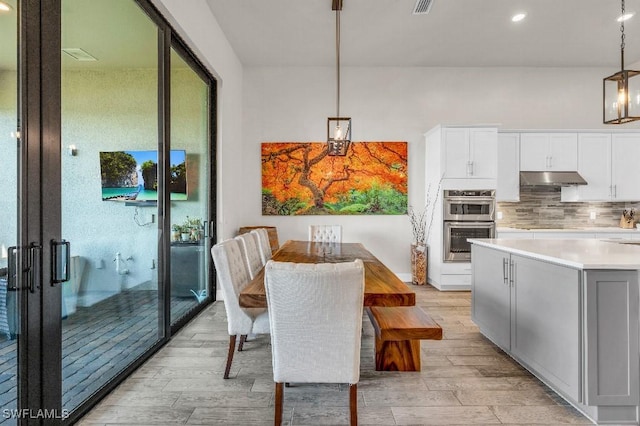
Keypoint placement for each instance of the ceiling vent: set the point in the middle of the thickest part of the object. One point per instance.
(422, 7)
(78, 54)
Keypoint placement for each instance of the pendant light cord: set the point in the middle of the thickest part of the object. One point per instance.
(338, 62)
(622, 37)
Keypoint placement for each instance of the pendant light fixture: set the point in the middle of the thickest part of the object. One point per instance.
(338, 128)
(621, 94)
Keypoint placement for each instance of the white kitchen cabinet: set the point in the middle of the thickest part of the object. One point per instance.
(470, 152)
(625, 170)
(508, 184)
(609, 164)
(548, 152)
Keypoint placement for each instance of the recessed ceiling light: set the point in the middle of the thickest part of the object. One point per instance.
(4, 7)
(626, 16)
(518, 17)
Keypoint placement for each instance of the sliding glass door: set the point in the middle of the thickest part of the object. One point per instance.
(190, 141)
(10, 281)
(91, 280)
(110, 308)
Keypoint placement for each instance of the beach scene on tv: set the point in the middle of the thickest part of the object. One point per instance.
(133, 175)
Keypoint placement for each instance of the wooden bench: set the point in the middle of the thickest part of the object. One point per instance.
(399, 330)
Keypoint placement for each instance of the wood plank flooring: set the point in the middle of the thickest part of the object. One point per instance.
(465, 380)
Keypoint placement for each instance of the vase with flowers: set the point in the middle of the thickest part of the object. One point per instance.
(421, 222)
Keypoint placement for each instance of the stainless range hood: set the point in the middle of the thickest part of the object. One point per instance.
(551, 179)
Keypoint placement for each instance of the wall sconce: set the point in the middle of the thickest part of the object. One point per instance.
(73, 150)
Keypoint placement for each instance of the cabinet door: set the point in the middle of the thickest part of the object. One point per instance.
(456, 148)
(490, 294)
(534, 151)
(563, 152)
(483, 153)
(611, 329)
(594, 165)
(625, 155)
(508, 182)
(545, 327)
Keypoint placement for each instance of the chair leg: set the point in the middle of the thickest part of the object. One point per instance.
(277, 421)
(243, 338)
(232, 348)
(353, 403)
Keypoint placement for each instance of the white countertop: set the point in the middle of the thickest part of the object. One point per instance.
(575, 253)
(570, 230)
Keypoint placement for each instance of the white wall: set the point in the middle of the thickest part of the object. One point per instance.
(400, 104)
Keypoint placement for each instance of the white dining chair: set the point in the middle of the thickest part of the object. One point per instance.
(315, 315)
(262, 236)
(250, 253)
(233, 278)
(325, 233)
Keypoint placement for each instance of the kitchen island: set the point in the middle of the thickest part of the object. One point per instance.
(567, 310)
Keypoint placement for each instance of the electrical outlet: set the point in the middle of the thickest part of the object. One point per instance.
(499, 216)
(592, 215)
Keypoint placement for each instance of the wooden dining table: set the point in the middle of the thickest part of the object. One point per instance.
(381, 288)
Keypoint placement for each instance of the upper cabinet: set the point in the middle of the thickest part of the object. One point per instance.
(609, 164)
(548, 152)
(508, 184)
(470, 152)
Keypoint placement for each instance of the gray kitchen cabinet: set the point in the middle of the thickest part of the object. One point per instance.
(545, 321)
(491, 295)
(611, 354)
(530, 309)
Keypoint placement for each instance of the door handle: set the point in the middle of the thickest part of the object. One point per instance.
(60, 261)
(35, 256)
(12, 268)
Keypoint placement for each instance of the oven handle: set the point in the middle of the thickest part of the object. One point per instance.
(469, 200)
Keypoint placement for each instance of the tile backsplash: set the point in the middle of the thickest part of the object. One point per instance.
(540, 207)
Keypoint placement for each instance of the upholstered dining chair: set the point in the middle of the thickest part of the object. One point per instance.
(233, 278)
(315, 315)
(250, 253)
(325, 233)
(262, 236)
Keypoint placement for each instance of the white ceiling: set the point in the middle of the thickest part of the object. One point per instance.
(555, 33)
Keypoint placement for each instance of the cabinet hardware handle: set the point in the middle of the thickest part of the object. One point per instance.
(504, 270)
(512, 273)
(615, 191)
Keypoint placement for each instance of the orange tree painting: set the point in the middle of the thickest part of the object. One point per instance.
(300, 178)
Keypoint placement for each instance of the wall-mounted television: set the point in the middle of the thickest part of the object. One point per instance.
(133, 175)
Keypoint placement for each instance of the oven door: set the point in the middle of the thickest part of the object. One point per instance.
(469, 208)
(456, 246)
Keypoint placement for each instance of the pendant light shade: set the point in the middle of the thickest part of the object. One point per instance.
(338, 128)
(621, 91)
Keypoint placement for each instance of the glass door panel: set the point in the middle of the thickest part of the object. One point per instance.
(189, 211)
(10, 335)
(111, 303)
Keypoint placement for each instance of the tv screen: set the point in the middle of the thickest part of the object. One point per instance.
(133, 175)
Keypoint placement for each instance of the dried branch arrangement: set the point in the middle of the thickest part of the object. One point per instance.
(422, 220)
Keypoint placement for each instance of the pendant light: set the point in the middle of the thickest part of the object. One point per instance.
(338, 128)
(621, 94)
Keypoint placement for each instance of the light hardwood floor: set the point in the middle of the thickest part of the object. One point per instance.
(465, 380)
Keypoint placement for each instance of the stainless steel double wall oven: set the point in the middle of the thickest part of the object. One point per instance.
(467, 214)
